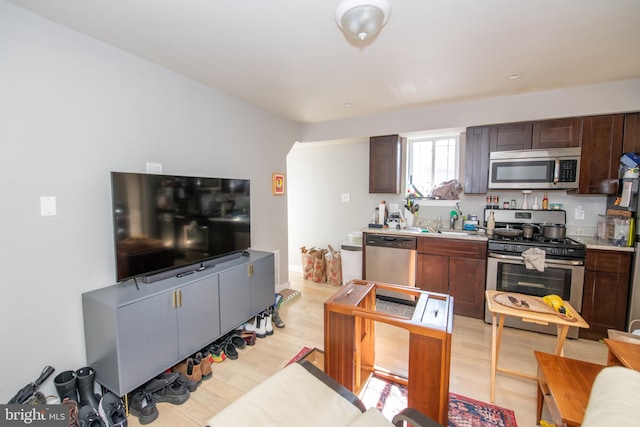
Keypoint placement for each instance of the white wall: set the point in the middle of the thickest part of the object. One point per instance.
(72, 110)
(320, 171)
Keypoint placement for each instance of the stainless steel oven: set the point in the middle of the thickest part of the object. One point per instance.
(561, 277)
(563, 272)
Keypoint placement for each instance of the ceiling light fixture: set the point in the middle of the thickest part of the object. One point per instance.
(361, 19)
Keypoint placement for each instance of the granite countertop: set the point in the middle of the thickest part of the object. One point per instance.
(591, 242)
(445, 234)
(602, 244)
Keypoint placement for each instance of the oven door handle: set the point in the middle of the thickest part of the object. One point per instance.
(547, 261)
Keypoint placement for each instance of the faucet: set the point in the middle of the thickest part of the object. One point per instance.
(455, 215)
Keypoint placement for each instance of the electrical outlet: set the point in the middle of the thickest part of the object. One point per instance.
(47, 206)
(579, 212)
(346, 197)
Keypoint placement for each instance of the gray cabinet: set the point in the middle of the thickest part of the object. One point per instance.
(133, 334)
(245, 292)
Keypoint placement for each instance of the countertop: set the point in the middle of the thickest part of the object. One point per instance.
(591, 242)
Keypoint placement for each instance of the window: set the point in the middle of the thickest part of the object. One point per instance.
(431, 161)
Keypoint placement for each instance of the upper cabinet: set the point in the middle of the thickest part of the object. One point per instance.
(600, 155)
(557, 133)
(511, 136)
(476, 167)
(631, 139)
(385, 164)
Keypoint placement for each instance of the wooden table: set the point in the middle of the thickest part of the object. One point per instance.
(349, 343)
(623, 353)
(499, 311)
(564, 385)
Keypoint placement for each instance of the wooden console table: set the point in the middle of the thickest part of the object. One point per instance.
(349, 342)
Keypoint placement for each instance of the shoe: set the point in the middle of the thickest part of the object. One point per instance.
(161, 381)
(73, 411)
(268, 319)
(86, 388)
(216, 354)
(189, 384)
(65, 383)
(237, 341)
(230, 349)
(276, 317)
(111, 410)
(257, 326)
(174, 393)
(205, 365)
(143, 406)
(89, 417)
(190, 370)
(249, 337)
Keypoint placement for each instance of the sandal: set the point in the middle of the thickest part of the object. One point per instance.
(230, 349)
(237, 341)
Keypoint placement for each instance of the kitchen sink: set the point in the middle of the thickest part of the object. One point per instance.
(458, 233)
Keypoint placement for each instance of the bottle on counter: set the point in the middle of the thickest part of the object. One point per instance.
(545, 202)
(491, 223)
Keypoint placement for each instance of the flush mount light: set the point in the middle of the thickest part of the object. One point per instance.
(514, 76)
(361, 19)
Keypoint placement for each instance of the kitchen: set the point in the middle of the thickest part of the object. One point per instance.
(581, 210)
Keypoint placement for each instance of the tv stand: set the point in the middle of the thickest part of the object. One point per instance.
(132, 335)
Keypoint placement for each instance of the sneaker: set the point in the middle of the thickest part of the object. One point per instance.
(89, 417)
(143, 406)
(174, 393)
(112, 411)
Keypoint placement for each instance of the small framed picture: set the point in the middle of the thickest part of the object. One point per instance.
(277, 183)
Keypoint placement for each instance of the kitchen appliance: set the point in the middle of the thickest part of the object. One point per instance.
(391, 259)
(553, 169)
(563, 273)
(351, 254)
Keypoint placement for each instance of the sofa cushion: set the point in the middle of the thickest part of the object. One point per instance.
(290, 397)
(371, 418)
(614, 399)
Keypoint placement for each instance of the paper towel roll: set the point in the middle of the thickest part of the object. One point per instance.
(382, 209)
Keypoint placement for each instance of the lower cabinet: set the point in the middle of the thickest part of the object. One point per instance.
(606, 292)
(455, 267)
(133, 333)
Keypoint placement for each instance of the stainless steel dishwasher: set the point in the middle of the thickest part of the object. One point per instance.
(391, 259)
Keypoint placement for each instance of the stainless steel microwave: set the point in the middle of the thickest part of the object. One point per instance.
(554, 169)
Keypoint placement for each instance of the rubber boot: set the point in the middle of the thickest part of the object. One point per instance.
(86, 388)
(276, 318)
(65, 384)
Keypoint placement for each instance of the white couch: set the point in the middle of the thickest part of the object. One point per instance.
(301, 394)
(614, 399)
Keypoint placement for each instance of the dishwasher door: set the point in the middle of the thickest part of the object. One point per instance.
(391, 259)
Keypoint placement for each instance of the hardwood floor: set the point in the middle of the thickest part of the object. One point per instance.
(470, 360)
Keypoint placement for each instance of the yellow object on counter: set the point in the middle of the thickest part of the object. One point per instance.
(543, 423)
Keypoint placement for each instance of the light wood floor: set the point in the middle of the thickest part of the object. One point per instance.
(470, 360)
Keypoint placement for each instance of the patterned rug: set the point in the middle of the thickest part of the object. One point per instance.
(390, 398)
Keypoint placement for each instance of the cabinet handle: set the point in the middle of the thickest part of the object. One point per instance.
(180, 298)
(174, 298)
(250, 270)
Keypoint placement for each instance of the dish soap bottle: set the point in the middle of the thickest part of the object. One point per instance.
(491, 223)
(545, 202)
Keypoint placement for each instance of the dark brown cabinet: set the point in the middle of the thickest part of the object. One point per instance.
(476, 168)
(631, 138)
(556, 133)
(455, 267)
(600, 155)
(511, 136)
(606, 292)
(385, 167)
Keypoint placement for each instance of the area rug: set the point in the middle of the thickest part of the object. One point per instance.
(390, 398)
(301, 354)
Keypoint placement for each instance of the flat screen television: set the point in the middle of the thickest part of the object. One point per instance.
(163, 222)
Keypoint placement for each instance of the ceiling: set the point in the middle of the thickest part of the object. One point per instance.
(289, 57)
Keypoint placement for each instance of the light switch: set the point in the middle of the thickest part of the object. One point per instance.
(154, 167)
(346, 197)
(580, 212)
(47, 206)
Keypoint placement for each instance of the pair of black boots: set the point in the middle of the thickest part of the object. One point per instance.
(76, 388)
